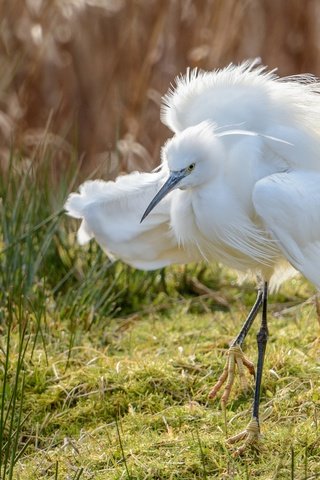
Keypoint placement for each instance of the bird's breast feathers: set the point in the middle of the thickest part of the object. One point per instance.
(223, 232)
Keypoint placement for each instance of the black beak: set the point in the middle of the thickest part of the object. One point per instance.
(170, 184)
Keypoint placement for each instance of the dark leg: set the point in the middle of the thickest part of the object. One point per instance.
(262, 339)
(235, 356)
(252, 432)
(250, 319)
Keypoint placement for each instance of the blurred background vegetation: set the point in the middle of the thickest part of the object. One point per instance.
(91, 73)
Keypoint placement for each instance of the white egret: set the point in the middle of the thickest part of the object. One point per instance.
(239, 183)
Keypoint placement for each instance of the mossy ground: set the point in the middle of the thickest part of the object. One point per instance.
(130, 399)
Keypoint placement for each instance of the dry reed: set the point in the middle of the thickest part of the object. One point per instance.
(93, 72)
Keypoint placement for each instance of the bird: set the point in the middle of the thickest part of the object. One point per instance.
(238, 183)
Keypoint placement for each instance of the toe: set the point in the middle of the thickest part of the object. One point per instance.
(250, 436)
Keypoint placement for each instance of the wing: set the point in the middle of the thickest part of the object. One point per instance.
(111, 213)
(289, 204)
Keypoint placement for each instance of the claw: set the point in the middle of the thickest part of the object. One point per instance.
(235, 357)
(250, 435)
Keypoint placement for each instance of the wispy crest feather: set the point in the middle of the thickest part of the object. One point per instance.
(200, 95)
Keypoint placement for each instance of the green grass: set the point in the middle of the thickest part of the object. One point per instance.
(105, 371)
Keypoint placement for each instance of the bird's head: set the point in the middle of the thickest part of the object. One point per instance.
(191, 157)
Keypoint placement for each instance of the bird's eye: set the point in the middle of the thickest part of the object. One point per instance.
(191, 167)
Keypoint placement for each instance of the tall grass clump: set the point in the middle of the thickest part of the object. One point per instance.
(27, 228)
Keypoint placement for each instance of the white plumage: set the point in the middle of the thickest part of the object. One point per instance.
(111, 213)
(240, 125)
(239, 183)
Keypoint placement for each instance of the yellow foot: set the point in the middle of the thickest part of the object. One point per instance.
(235, 357)
(250, 436)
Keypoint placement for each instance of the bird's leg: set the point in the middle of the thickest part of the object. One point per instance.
(237, 358)
(252, 433)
